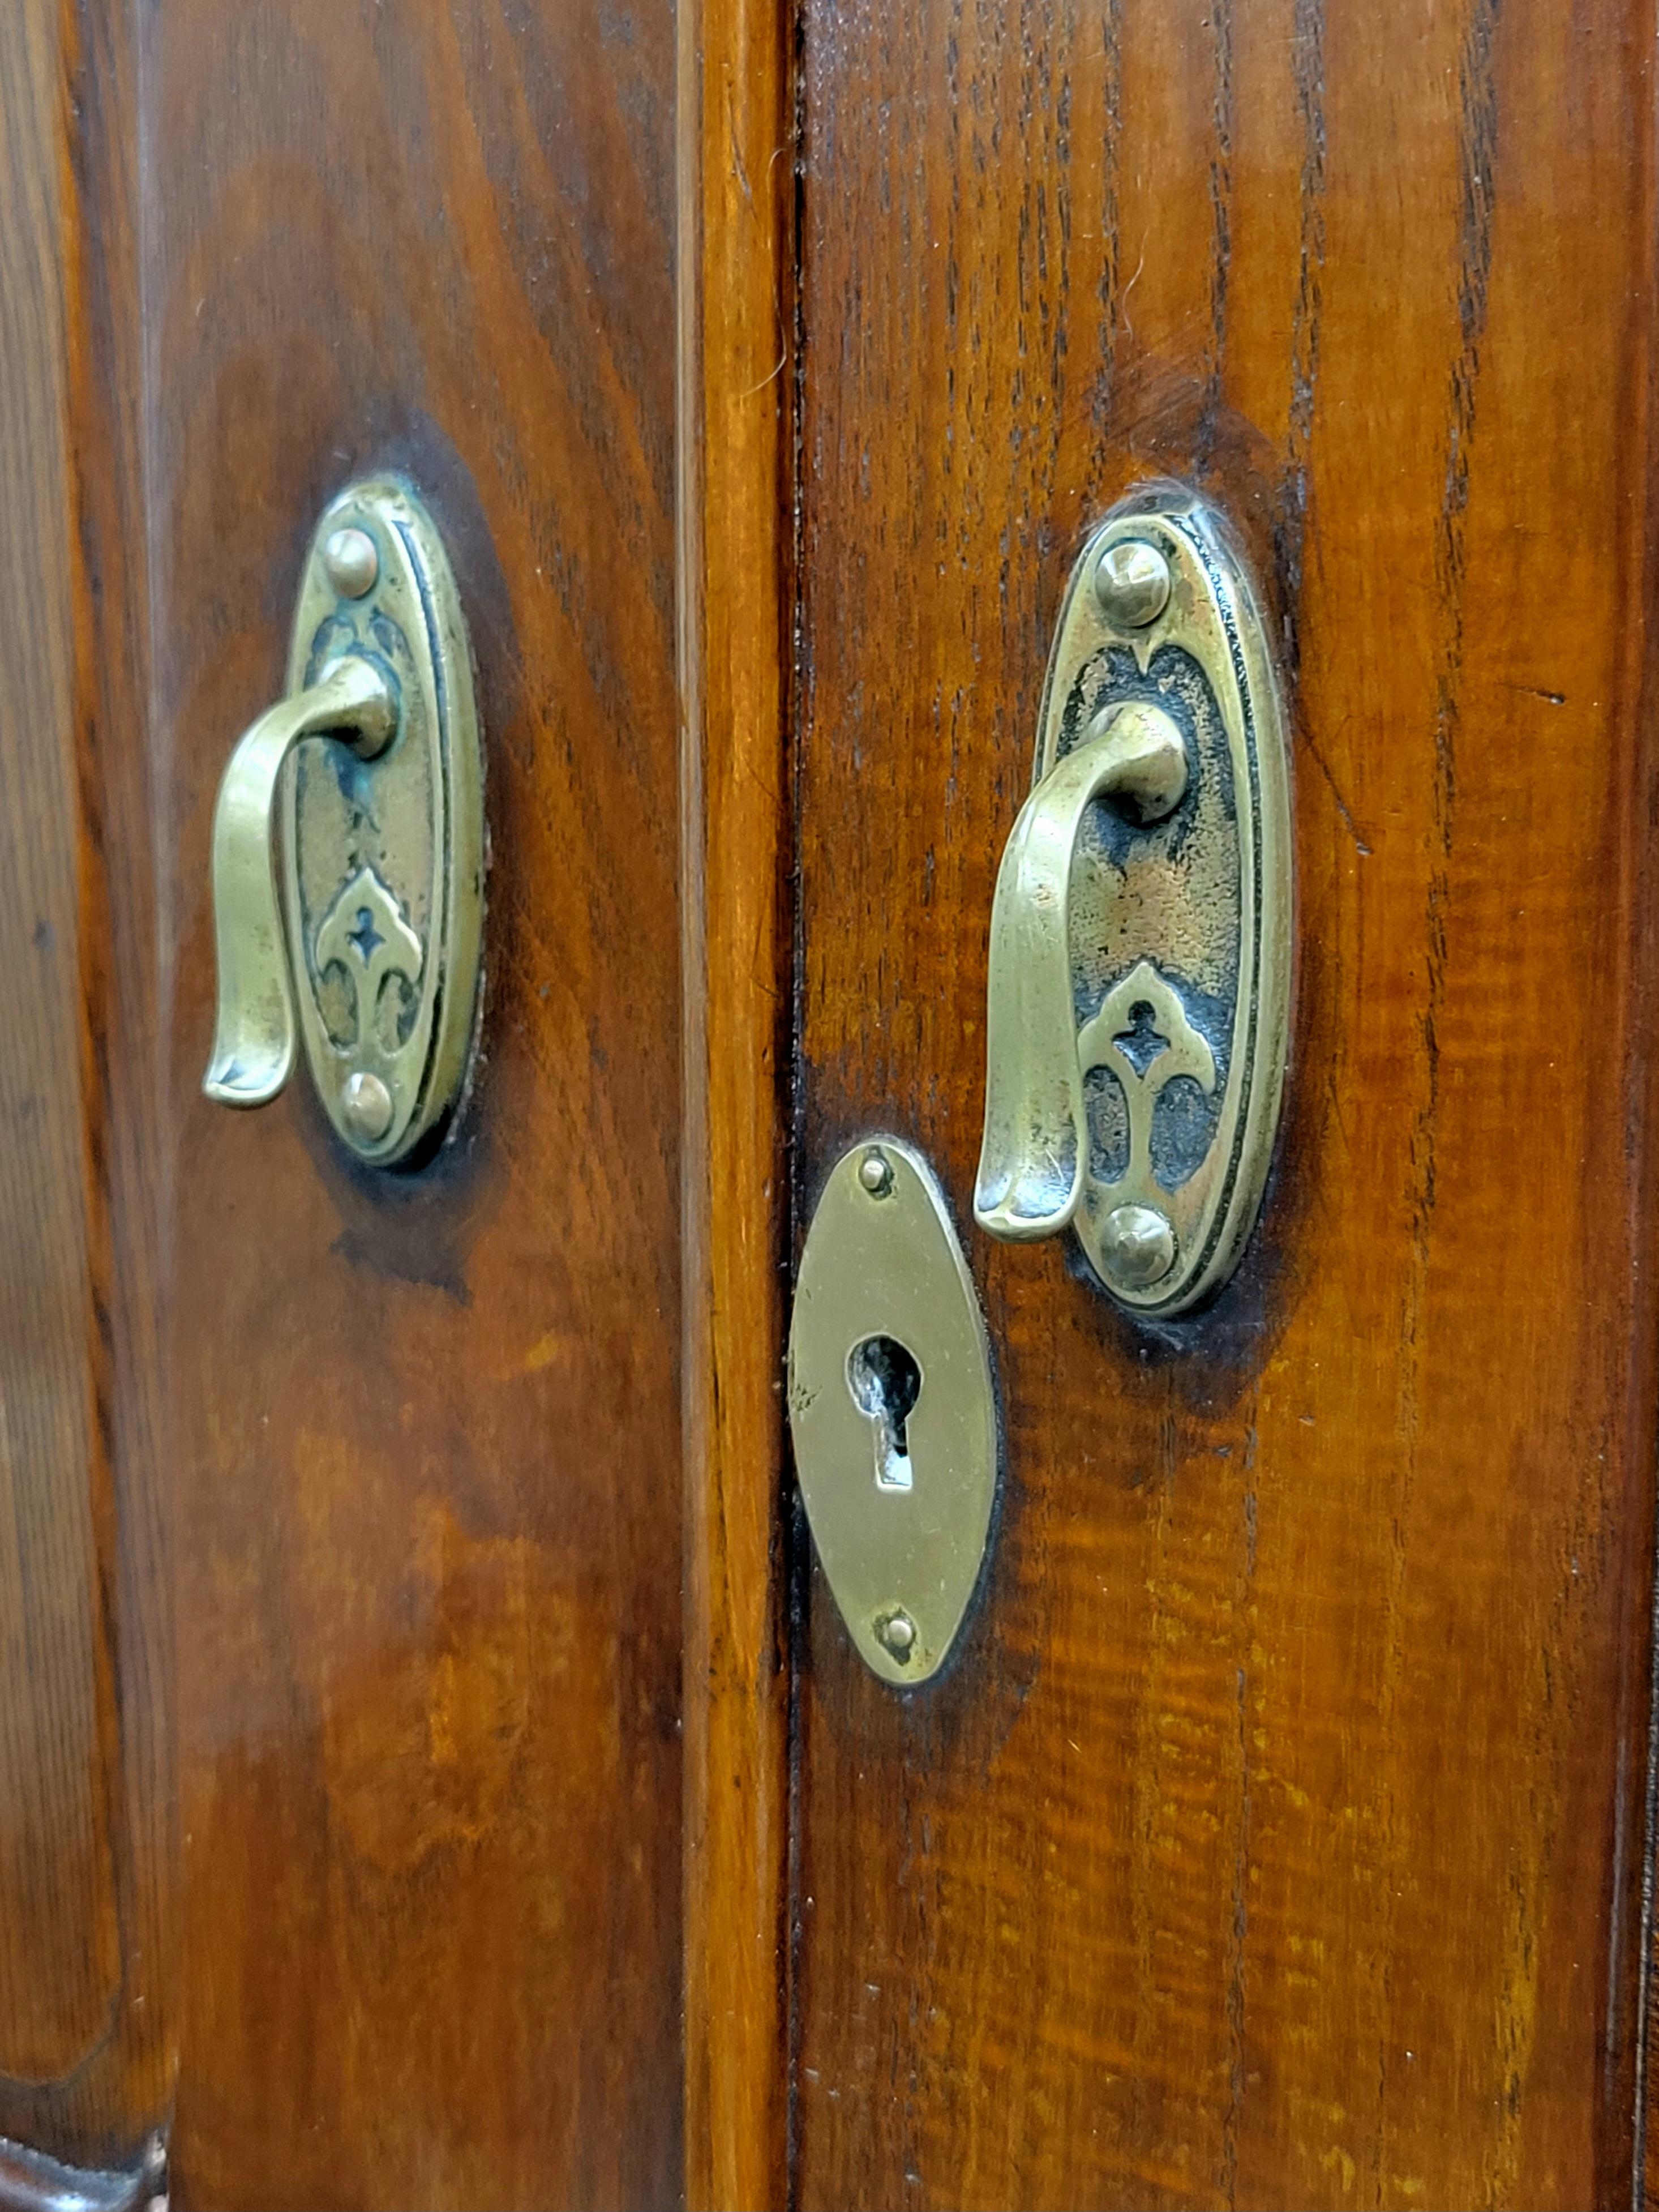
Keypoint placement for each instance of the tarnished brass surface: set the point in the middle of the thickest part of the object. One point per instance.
(253, 1045)
(1140, 936)
(369, 777)
(891, 1410)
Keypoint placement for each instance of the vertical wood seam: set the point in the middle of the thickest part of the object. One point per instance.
(735, 393)
(793, 1517)
(1627, 2006)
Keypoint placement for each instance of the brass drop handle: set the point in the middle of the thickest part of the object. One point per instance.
(1137, 1002)
(252, 1058)
(1036, 1139)
(348, 842)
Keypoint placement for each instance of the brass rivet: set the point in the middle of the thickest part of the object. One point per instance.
(896, 1632)
(1139, 1245)
(1132, 582)
(367, 1105)
(352, 562)
(876, 1172)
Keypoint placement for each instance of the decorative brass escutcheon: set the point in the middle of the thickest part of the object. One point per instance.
(369, 776)
(891, 1409)
(1140, 937)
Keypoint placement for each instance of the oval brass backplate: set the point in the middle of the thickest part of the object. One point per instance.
(1141, 936)
(891, 1408)
(384, 856)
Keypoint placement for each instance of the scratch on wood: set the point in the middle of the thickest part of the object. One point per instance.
(1477, 159)
(1238, 2074)
(1477, 153)
(1308, 62)
(1221, 252)
(1110, 299)
(1348, 823)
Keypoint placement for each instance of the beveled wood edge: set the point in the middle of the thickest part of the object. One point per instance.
(1630, 2087)
(736, 457)
(124, 1073)
(120, 2092)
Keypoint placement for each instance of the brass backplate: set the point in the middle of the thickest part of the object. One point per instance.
(385, 857)
(891, 1409)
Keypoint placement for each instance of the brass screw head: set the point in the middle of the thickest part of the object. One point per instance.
(1139, 1245)
(352, 562)
(876, 1172)
(896, 1632)
(1132, 582)
(367, 1105)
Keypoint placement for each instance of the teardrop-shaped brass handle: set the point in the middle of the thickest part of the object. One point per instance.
(1035, 1151)
(348, 842)
(254, 1044)
(1138, 1005)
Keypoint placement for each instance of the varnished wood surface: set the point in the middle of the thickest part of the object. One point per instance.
(736, 462)
(429, 1538)
(60, 1959)
(85, 1839)
(1274, 1838)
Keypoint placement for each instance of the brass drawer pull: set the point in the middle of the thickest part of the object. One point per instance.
(371, 767)
(1140, 936)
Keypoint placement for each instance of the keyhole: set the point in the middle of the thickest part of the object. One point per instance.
(885, 1382)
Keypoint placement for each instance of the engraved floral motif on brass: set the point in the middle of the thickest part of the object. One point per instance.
(368, 775)
(1140, 942)
(1142, 1035)
(364, 941)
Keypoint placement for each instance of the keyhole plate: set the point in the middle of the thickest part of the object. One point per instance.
(891, 1409)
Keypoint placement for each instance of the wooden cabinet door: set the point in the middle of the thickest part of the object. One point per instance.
(433, 1768)
(1276, 1833)
(366, 1650)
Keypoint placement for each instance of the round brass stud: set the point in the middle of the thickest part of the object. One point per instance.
(876, 1172)
(352, 562)
(896, 1632)
(1132, 582)
(367, 1105)
(1138, 1246)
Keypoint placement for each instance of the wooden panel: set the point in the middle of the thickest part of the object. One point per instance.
(58, 1946)
(1271, 1841)
(430, 1512)
(735, 306)
(85, 1853)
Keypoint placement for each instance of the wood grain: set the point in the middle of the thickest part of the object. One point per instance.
(59, 1961)
(1273, 1839)
(85, 1835)
(736, 462)
(429, 1474)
